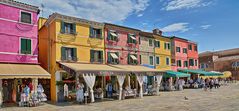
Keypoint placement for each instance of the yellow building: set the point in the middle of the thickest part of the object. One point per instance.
(69, 39)
(162, 51)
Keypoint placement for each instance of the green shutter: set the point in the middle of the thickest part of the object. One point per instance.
(29, 46)
(92, 55)
(74, 28)
(128, 41)
(101, 56)
(62, 27)
(108, 35)
(158, 43)
(23, 46)
(63, 53)
(101, 34)
(108, 57)
(165, 46)
(91, 32)
(128, 58)
(74, 54)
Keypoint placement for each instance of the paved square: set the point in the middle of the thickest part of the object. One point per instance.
(224, 99)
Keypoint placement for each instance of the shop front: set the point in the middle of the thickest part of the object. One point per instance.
(19, 82)
(97, 82)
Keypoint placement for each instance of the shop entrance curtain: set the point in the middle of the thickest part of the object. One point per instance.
(90, 82)
(140, 79)
(121, 81)
(159, 79)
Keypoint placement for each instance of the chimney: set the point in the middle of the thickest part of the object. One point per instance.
(157, 31)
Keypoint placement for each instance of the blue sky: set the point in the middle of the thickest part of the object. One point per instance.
(213, 24)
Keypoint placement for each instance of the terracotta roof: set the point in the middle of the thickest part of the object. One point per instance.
(21, 5)
(227, 58)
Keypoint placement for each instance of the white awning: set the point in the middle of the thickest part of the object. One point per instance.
(114, 55)
(133, 37)
(113, 34)
(133, 57)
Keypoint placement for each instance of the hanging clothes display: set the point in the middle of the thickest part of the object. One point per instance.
(140, 79)
(66, 90)
(80, 93)
(121, 79)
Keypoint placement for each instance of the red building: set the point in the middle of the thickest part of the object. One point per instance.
(121, 45)
(184, 54)
(192, 55)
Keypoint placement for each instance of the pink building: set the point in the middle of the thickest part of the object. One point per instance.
(192, 55)
(18, 32)
(19, 50)
(184, 54)
(121, 45)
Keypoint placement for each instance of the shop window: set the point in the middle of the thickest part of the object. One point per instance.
(179, 64)
(178, 49)
(26, 17)
(185, 50)
(167, 61)
(191, 62)
(95, 33)
(113, 57)
(151, 60)
(132, 59)
(96, 56)
(157, 60)
(26, 46)
(157, 44)
(69, 54)
(68, 28)
(131, 39)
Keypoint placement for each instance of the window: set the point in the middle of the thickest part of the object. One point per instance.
(178, 49)
(95, 33)
(195, 48)
(151, 60)
(132, 59)
(235, 64)
(185, 64)
(167, 61)
(69, 54)
(96, 56)
(26, 17)
(112, 35)
(150, 42)
(140, 60)
(68, 28)
(157, 60)
(167, 46)
(196, 62)
(113, 57)
(131, 38)
(190, 47)
(202, 66)
(179, 64)
(26, 46)
(185, 50)
(191, 62)
(157, 44)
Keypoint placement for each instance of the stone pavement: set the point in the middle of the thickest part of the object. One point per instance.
(226, 98)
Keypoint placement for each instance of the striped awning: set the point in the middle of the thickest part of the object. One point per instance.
(11, 71)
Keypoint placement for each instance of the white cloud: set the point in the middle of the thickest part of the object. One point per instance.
(99, 10)
(185, 4)
(176, 27)
(140, 15)
(205, 26)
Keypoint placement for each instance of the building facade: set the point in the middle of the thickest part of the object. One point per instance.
(146, 48)
(162, 51)
(69, 39)
(19, 66)
(192, 55)
(225, 60)
(121, 45)
(179, 53)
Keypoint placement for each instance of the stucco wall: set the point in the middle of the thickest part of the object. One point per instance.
(10, 33)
